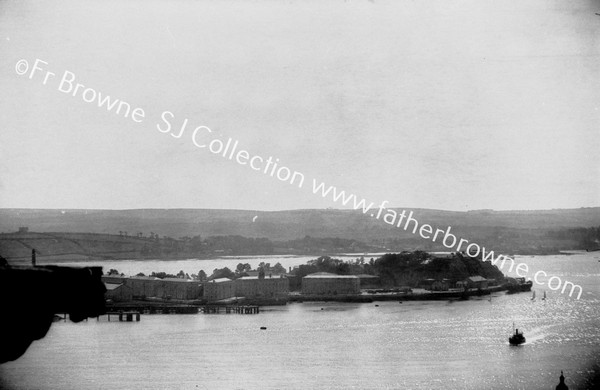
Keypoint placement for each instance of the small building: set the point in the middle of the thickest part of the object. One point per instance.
(325, 283)
(440, 285)
(426, 283)
(435, 284)
(476, 282)
(218, 289)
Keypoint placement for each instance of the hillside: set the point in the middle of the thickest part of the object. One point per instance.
(281, 225)
(17, 247)
(125, 233)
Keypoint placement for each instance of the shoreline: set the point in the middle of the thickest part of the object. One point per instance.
(186, 307)
(427, 296)
(47, 260)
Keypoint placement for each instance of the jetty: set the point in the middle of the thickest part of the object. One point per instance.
(127, 316)
(153, 308)
(217, 309)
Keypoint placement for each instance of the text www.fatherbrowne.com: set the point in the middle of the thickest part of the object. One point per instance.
(205, 138)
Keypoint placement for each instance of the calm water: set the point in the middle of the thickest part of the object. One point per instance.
(193, 266)
(418, 345)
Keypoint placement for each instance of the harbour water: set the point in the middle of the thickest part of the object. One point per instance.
(193, 266)
(412, 345)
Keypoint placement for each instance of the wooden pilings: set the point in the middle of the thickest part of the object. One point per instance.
(124, 316)
(215, 309)
(162, 309)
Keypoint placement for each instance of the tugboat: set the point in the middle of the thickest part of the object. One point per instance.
(517, 338)
(519, 285)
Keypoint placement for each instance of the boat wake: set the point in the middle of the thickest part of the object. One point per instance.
(536, 335)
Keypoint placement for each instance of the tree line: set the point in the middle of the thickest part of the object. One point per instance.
(239, 245)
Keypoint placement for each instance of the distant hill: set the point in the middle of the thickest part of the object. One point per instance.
(280, 225)
(537, 231)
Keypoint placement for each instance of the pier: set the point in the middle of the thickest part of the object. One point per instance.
(127, 316)
(215, 309)
(154, 308)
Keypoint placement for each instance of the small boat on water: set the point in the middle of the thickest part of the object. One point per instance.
(544, 298)
(517, 338)
(519, 285)
(533, 296)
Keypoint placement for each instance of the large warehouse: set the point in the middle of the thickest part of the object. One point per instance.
(257, 287)
(326, 283)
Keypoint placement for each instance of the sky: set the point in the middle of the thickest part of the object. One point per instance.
(454, 105)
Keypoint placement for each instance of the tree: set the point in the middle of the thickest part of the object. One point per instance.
(162, 275)
(222, 273)
(242, 268)
(202, 276)
(181, 274)
(140, 274)
(239, 269)
(113, 272)
(278, 269)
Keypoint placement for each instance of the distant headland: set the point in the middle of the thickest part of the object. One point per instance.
(69, 235)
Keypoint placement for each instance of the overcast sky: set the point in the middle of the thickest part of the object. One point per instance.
(437, 104)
